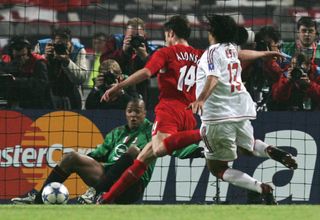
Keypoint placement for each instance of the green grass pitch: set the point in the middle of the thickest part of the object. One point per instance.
(159, 212)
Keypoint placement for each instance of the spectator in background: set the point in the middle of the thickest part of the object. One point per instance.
(131, 50)
(306, 42)
(98, 46)
(260, 75)
(298, 88)
(24, 77)
(109, 74)
(67, 66)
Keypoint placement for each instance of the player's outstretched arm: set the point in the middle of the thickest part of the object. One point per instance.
(248, 55)
(133, 79)
(197, 106)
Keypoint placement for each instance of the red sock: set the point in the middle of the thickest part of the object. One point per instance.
(181, 139)
(127, 179)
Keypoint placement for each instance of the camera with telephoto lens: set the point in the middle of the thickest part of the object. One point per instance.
(109, 78)
(60, 48)
(297, 73)
(136, 41)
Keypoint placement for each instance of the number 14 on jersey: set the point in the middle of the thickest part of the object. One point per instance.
(187, 77)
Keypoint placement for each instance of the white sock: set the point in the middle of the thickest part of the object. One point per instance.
(241, 179)
(260, 149)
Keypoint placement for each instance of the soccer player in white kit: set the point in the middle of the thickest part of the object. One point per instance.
(226, 109)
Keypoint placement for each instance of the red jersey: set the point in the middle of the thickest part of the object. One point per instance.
(176, 68)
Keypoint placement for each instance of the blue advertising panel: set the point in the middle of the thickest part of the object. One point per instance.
(31, 142)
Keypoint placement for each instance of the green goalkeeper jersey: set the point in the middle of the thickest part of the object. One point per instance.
(117, 142)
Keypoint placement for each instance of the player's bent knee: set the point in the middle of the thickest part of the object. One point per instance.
(219, 172)
(243, 151)
(160, 151)
(70, 158)
(218, 168)
(156, 152)
(146, 155)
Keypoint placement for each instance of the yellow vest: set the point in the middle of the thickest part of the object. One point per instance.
(95, 71)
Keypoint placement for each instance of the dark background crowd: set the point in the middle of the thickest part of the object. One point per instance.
(65, 55)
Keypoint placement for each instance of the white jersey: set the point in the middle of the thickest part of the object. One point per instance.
(229, 101)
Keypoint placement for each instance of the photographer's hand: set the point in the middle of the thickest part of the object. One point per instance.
(142, 51)
(49, 50)
(99, 80)
(126, 43)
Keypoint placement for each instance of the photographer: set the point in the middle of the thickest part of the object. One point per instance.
(24, 77)
(306, 41)
(109, 73)
(67, 66)
(299, 88)
(261, 74)
(131, 50)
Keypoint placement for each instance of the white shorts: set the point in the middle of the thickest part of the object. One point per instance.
(221, 140)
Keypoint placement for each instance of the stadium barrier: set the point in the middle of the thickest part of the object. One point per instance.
(32, 141)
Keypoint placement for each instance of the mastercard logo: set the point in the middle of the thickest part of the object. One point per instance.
(30, 149)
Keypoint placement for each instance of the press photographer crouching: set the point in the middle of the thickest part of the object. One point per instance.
(299, 88)
(24, 77)
(131, 50)
(109, 74)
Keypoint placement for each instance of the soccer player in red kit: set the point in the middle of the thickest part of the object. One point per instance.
(175, 66)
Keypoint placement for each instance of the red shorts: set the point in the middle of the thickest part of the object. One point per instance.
(171, 117)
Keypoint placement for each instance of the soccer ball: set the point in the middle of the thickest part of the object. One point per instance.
(55, 193)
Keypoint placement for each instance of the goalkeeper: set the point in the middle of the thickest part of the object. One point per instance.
(120, 148)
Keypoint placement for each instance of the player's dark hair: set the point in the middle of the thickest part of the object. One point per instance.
(179, 25)
(242, 36)
(223, 28)
(137, 100)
